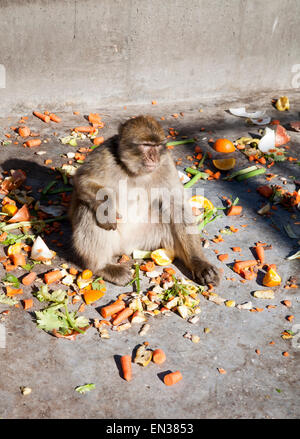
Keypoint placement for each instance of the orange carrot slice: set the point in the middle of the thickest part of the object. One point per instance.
(28, 303)
(109, 310)
(158, 356)
(172, 378)
(24, 131)
(234, 210)
(29, 278)
(13, 291)
(126, 367)
(98, 140)
(54, 118)
(122, 315)
(18, 259)
(241, 265)
(260, 253)
(43, 117)
(52, 276)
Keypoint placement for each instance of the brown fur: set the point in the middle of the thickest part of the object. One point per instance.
(137, 156)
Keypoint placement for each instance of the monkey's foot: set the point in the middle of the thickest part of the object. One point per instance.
(205, 274)
(119, 274)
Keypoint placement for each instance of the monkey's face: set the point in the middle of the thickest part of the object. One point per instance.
(143, 158)
(142, 145)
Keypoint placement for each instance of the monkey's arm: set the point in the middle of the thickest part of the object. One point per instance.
(98, 199)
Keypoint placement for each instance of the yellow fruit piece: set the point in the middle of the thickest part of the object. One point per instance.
(15, 249)
(91, 296)
(283, 103)
(162, 256)
(143, 356)
(200, 202)
(86, 274)
(271, 279)
(224, 164)
(83, 283)
(10, 209)
(230, 303)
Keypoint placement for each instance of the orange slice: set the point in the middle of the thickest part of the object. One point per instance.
(201, 202)
(224, 164)
(162, 256)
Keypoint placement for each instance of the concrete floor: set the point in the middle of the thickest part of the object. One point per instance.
(54, 367)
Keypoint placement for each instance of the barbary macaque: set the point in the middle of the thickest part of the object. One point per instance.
(127, 195)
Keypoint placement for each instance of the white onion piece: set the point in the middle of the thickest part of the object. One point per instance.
(40, 251)
(267, 142)
(241, 112)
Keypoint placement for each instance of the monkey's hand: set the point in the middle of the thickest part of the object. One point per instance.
(109, 225)
(206, 273)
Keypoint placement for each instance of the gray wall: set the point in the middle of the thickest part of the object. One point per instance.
(107, 52)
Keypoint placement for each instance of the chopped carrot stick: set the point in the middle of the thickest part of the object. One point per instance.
(84, 129)
(73, 271)
(28, 303)
(29, 278)
(223, 257)
(236, 249)
(94, 118)
(3, 236)
(24, 131)
(18, 259)
(42, 116)
(172, 378)
(98, 140)
(126, 367)
(169, 270)
(52, 276)
(33, 142)
(13, 291)
(149, 266)
(248, 275)
(122, 315)
(234, 210)
(241, 265)
(260, 252)
(54, 118)
(109, 310)
(159, 356)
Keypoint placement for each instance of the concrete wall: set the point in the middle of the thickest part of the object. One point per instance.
(107, 52)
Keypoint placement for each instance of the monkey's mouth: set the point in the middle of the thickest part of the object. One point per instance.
(151, 166)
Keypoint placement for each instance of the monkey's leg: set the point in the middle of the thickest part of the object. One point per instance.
(188, 248)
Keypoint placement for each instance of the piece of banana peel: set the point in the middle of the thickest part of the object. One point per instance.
(143, 356)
